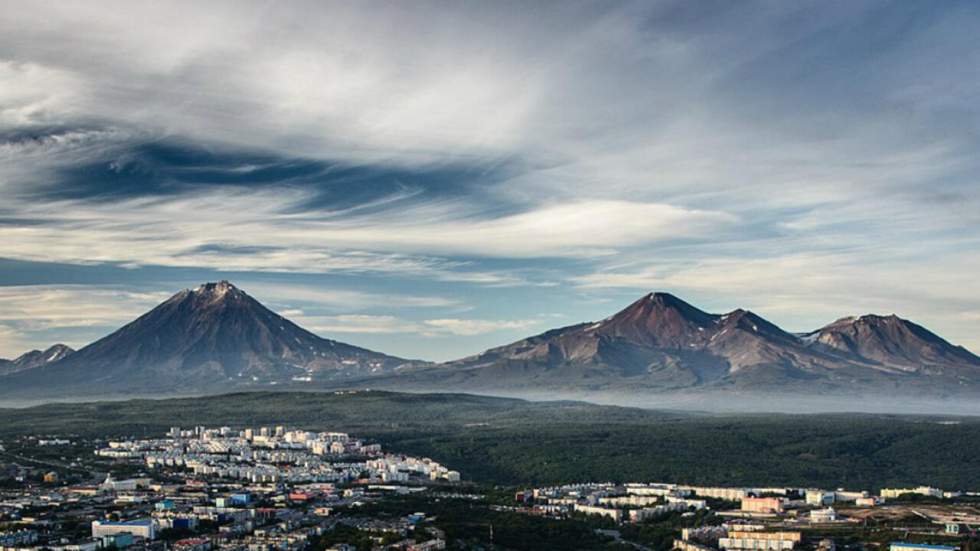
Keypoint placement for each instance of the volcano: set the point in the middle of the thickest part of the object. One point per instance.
(213, 337)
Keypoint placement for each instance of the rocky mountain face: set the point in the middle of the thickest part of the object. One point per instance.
(35, 358)
(663, 343)
(214, 337)
(894, 343)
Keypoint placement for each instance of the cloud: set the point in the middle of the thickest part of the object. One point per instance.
(13, 342)
(307, 90)
(239, 230)
(292, 296)
(431, 328)
(58, 306)
(632, 98)
(30, 93)
(570, 229)
(356, 323)
(469, 327)
(32, 315)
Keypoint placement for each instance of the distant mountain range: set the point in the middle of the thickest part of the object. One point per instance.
(35, 358)
(216, 337)
(661, 343)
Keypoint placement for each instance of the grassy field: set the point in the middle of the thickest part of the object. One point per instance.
(512, 442)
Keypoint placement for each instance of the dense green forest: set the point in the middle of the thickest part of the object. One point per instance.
(515, 442)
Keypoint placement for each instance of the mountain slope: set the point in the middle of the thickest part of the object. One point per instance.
(893, 342)
(203, 339)
(35, 358)
(661, 343)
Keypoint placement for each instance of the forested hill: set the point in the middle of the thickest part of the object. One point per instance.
(508, 441)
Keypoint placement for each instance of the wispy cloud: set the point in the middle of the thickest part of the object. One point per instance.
(469, 327)
(258, 230)
(56, 306)
(433, 328)
(292, 295)
(357, 323)
(13, 343)
(31, 316)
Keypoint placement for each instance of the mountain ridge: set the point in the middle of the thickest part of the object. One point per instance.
(216, 336)
(661, 343)
(36, 358)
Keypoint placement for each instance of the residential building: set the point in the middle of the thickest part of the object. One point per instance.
(819, 497)
(762, 504)
(144, 528)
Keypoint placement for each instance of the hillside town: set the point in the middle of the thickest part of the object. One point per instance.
(217, 488)
(762, 518)
(274, 454)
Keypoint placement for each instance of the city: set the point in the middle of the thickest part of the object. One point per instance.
(262, 488)
(281, 488)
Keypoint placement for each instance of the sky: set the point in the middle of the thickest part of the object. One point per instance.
(433, 179)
